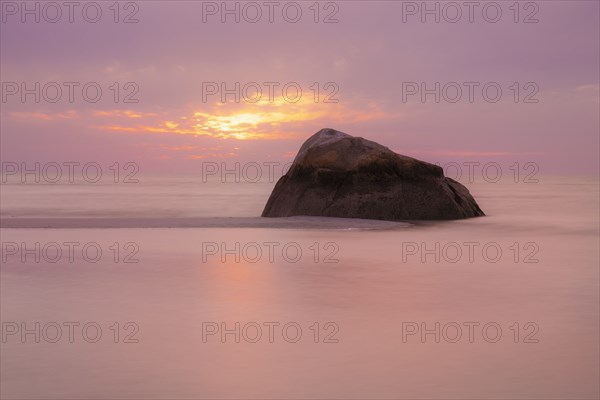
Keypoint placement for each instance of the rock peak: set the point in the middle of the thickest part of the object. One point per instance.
(328, 132)
(323, 137)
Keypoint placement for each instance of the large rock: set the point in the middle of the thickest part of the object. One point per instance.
(338, 175)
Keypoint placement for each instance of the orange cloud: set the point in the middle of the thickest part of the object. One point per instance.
(122, 113)
(266, 120)
(69, 114)
(242, 121)
(212, 155)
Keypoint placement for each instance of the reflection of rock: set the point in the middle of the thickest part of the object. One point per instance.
(338, 175)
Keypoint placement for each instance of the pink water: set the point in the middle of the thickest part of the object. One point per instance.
(371, 296)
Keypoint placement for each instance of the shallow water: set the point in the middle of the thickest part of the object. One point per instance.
(369, 284)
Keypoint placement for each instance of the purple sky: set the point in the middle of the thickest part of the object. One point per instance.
(368, 54)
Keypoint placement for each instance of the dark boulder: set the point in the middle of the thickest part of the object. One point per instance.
(338, 175)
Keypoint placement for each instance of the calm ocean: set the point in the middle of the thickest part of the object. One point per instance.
(186, 293)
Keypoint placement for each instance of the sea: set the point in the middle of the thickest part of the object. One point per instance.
(176, 288)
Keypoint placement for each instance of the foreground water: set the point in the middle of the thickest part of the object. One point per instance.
(186, 293)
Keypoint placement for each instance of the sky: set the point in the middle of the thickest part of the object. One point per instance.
(361, 66)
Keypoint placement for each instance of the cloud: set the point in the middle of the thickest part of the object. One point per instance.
(44, 116)
(592, 88)
(122, 113)
(267, 120)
